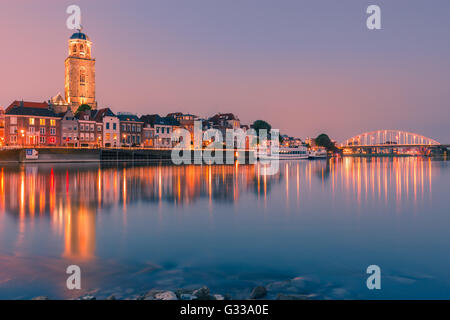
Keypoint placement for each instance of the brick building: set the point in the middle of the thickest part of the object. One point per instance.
(31, 124)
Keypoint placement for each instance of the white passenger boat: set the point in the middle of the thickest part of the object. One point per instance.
(320, 153)
(285, 153)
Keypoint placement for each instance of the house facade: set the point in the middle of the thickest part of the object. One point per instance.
(111, 127)
(69, 130)
(130, 130)
(31, 124)
(90, 131)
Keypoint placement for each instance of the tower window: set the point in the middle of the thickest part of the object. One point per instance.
(82, 77)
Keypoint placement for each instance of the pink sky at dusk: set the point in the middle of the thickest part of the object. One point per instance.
(306, 67)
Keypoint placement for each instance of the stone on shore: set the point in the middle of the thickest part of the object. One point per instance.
(166, 295)
(258, 292)
(202, 293)
(41, 298)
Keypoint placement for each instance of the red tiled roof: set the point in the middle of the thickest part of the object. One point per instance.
(27, 104)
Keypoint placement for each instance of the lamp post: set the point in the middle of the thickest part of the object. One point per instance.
(22, 132)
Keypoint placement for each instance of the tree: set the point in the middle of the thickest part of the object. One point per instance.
(84, 107)
(323, 140)
(261, 124)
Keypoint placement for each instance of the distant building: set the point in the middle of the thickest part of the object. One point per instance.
(226, 120)
(90, 131)
(31, 124)
(148, 136)
(130, 129)
(111, 127)
(163, 128)
(2, 126)
(69, 129)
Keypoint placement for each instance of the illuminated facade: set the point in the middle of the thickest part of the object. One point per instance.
(31, 124)
(80, 72)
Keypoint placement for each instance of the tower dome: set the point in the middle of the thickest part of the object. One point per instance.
(80, 36)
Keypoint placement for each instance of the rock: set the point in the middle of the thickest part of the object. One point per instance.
(41, 298)
(180, 292)
(282, 296)
(111, 297)
(202, 293)
(187, 296)
(258, 292)
(87, 297)
(278, 286)
(151, 294)
(167, 295)
(219, 297)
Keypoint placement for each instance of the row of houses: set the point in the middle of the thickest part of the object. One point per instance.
(37, 124)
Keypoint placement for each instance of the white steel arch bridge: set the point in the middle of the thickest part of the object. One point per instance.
(386, 138)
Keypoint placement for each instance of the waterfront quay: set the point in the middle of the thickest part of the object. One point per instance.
(61, 155)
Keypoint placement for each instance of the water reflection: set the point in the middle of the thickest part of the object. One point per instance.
(69, 197)
(86, 212)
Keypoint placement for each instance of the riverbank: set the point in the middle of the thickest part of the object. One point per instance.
(73, 155)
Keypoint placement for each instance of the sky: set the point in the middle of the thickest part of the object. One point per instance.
(306, 67)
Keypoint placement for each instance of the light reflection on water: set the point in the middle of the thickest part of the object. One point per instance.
(214, 224)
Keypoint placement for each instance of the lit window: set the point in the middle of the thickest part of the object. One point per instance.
(31, 121)
(53, 122)
(42, 122)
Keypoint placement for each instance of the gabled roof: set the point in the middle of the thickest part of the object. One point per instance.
(28, 111)
(128, 117)
(82, 115)
(153, 119)
(223, 116)
(27, 104)
(58, 100)
(105, 112)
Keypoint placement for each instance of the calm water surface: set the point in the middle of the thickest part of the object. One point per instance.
(134, 228)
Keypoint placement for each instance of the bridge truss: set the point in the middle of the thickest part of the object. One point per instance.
(388, 138)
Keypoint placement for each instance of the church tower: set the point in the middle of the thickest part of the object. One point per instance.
(80, 72)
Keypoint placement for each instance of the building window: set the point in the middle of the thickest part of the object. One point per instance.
(107, 126)
(41, 139)
(53, 122)
(114, 126)
(92, 137)
(13, 120)
(108, 136)
(53, 131)
(138, 128)
(42, 122)
(82, 77)
(92, 127)
(42, 131)
(13, 139)
(99, 128)
(12, 130)
(157, 129)
(31, 129)
(31, 121)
